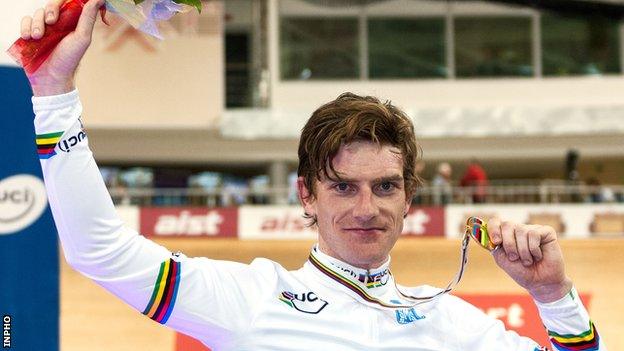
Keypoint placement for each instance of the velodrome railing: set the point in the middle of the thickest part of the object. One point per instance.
(496, 192)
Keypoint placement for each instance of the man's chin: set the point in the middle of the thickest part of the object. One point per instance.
(365, 237)
(368, 260)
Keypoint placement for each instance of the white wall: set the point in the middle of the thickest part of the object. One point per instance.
(128, 79)
(547, 92)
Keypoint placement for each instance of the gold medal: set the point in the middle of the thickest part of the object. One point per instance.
(476, 228)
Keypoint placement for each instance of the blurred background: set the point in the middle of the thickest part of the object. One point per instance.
(518, 107)
(212, 114)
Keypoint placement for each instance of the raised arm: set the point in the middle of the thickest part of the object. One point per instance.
(204, 298)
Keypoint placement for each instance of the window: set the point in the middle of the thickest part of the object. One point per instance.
(319, 48)
(573, 45)
(403, 39)
(493, 46)
(406, 48)
(237, 70)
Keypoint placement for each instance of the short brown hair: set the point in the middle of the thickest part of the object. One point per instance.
(349, 118)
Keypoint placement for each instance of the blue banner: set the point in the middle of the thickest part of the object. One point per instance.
(29, 285)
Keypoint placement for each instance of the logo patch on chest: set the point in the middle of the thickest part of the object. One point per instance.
(305, 302)
(408, 315)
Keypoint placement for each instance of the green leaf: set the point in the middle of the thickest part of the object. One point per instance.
(136, 2)
(195, 3)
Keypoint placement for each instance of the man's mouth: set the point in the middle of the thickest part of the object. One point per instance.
(364, 230)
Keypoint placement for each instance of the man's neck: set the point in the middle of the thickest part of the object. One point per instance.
(348, 265)
(368, 266)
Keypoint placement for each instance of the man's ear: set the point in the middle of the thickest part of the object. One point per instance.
(408, 204)
(306, 198)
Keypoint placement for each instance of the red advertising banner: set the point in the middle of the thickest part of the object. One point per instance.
(424, 221)
(186, 343)
(516, 311)
(189, 222)
(274, 222)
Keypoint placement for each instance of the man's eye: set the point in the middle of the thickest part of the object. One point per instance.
(342, 187)
(386, 186)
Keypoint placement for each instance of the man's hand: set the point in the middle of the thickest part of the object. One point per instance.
(530, 254)
(56, 75)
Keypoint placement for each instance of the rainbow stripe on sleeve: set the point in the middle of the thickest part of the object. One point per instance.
(165, 292)
(587, 341)
(46, 144)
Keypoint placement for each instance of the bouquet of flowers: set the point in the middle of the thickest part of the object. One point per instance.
(141, 14)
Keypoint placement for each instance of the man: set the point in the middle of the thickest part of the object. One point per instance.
(356, 176)
(475, 179)
(442, 184)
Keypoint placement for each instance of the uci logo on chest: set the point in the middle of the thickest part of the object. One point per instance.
(305, 302)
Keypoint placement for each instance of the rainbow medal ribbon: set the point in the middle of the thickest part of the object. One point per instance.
(476, 228)
(463, 262)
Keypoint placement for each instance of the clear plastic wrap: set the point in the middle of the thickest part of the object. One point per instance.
(31, 54)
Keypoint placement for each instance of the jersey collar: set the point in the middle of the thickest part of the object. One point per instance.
(369, 279)
(375, 287)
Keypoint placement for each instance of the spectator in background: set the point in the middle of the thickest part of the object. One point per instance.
(599, 193)
(234, 191)
(572, 174)
(442, 184)
(476, 180)
(417, 199)
(293, 198)
(259, 189)
(208, 183)
(137, 178)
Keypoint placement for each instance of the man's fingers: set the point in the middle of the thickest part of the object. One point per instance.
(494, 230)
(52, 11)
(37, 26)
(25, 27)
(522, 243)
(87, 18)
(535, 239)
(509, 241)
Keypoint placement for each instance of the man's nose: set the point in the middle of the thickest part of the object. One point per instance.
(365, 207)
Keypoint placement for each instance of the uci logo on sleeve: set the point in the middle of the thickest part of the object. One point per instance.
(67, 144)
(48, 143)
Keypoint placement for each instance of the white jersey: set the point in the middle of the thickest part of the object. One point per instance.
(325, 305)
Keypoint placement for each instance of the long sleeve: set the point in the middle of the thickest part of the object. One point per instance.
(93, 237)
(204, 298)
(568, 324)
(566, 320)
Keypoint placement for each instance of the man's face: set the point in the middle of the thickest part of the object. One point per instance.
(360, 217)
